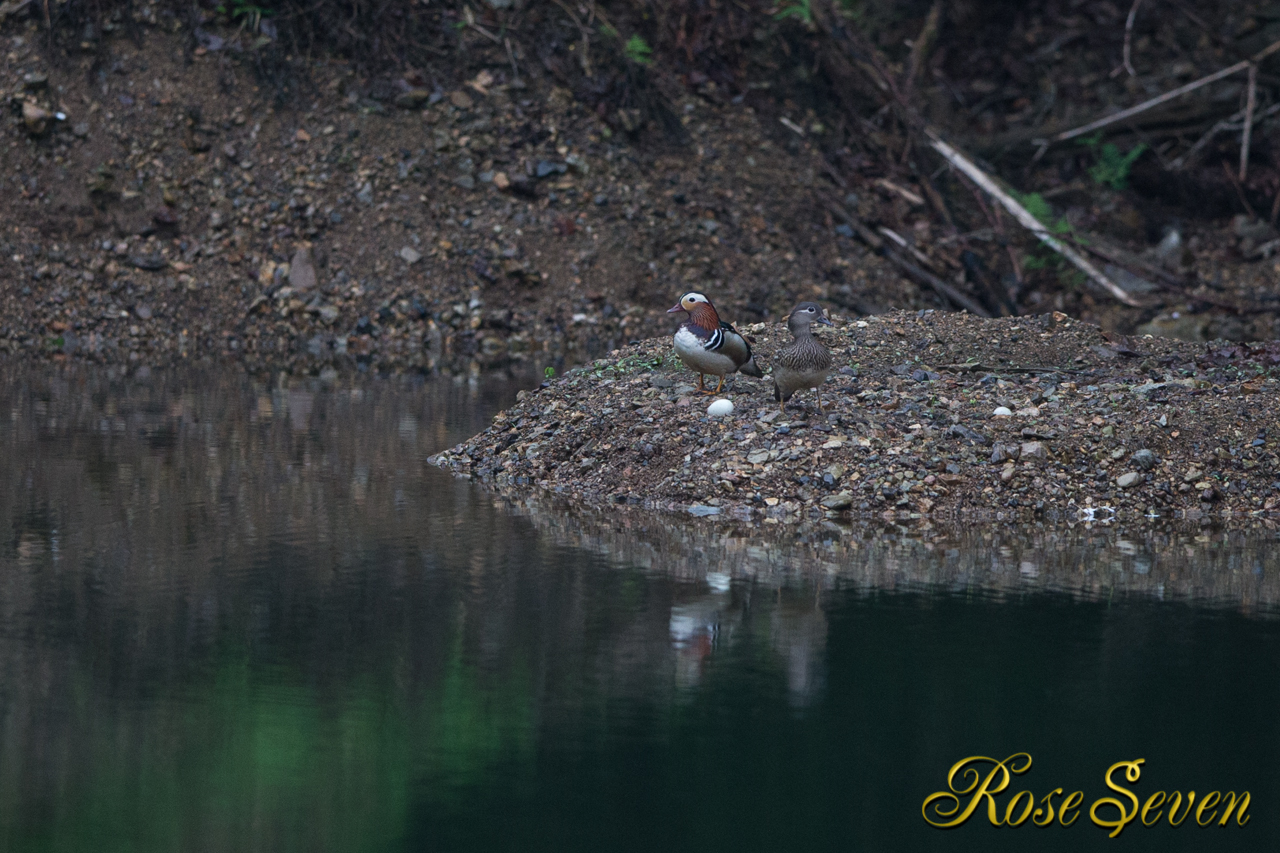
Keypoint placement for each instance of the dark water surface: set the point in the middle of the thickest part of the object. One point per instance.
(237, 616)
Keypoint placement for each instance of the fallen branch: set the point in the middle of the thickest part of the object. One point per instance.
(1167, 96)
(916, 273)
(921, 46)
(1024, 217)
(1251, 102)
(946, 291)
(1128, 42)
(979, 367)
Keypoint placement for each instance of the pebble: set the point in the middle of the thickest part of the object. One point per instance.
(1033, 450)
(411, 255)
(1144, 459)
(1124, 481)
(843, 500)
(1002, 412)
(302, 272)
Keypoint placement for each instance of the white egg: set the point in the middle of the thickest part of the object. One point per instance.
(720, 408)
(1002, 412)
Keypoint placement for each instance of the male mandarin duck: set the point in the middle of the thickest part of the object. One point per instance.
(806, 362)
(707, 344)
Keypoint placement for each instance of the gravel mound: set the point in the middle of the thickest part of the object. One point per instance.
(927, 412)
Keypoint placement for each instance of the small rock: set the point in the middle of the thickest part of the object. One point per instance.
(999, 454)
(701, 510)
(365, 195)
(501, 181)
(461, 100)
(546, 167)
(1144, 459)
(413, 98)
(35, 118)
(81, 129)
(154, 261)
(1034, 450)
(1002, 412)
(411, 255)
(302, 272)
(465, 181)
(1124, 481)
(843, 500)
(758, 457)
(328, 313)
(142, 311)
(35, 81)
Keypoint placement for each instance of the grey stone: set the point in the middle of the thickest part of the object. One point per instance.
(1034, 450)
(411, 255)
(302, 273)
(844, 500)
(1144, 459)
(1124, 481)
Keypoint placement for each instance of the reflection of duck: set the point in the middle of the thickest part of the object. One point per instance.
(694, 627)
(799, 637)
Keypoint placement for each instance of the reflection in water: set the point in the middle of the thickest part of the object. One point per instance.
(238, 615)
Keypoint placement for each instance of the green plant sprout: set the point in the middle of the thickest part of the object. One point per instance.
(638, 50)
(1111, 168)
(801, 11)
(246, 10)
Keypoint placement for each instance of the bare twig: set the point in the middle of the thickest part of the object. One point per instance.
(1228, 123)
(1167, 96)
(582, 30)
(511, 57)
(979, 177)
(1231, 176)
(921, 47)
(979, 367)
(1128, 41)
(902, 191)
(1251, 101)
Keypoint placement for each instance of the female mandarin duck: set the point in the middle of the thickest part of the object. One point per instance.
(707, 344)
(806, 363)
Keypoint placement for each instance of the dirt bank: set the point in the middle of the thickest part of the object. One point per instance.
(1144, 425)
(477, 222)
(199, 203)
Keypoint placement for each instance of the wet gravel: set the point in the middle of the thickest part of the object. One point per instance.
(1097, 424)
